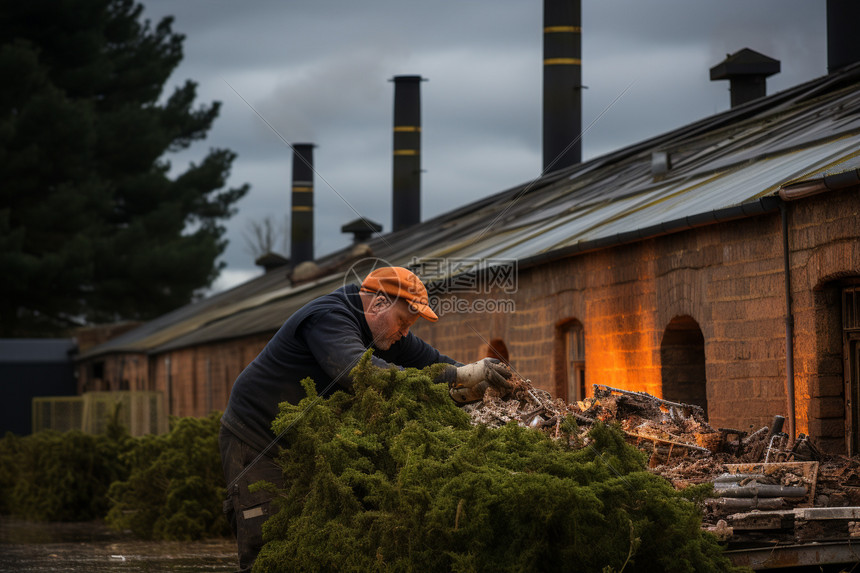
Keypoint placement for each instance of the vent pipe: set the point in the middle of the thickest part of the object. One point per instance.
(302, 220)
(271, 261)
(562, 84)
(406, 200)
(747, 72)
(843, 48)
(361, 229)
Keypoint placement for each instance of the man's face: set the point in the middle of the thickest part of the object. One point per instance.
(389, 321)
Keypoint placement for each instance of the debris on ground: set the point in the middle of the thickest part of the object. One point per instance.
(767, 489)
(669, 431)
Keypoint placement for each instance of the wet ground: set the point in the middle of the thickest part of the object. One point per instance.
(92, 547)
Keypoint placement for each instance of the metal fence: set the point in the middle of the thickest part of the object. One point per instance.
(139, 412)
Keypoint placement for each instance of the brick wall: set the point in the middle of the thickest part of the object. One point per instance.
(825, 253)
(727, 278)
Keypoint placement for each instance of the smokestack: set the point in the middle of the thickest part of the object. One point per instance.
(747, 72)
(843, 47)
(562, 84)
(302, 225)
(406, 202)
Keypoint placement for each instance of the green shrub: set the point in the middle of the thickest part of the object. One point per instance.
(10, 452)
(159, 487)
(49, 476)
(394, 478)
(175, 485)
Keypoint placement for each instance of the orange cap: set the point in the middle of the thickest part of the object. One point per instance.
(400, 283)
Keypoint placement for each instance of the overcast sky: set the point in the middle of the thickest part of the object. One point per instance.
(318, 72)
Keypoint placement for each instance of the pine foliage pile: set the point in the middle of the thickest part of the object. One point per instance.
(395, 478)
(52, 476)
(175, 487)
(168, 487)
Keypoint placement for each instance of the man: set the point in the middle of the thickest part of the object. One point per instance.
(324, 340)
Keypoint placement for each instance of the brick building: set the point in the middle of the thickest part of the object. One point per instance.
(716, 264)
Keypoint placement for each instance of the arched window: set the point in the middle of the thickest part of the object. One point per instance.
(682, 355)
(496, 349)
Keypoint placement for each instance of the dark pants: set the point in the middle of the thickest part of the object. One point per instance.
(246, 511)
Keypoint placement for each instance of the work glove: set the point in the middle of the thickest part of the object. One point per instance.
(472, 380)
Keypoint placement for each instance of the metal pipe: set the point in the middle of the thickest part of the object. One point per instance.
(746, 503)
(736, 478)
(789, 327)
(770, 446)
(302, 216)
(562, 84)
(776, 425)
(759, 490)
(406, 173)
(842, 46)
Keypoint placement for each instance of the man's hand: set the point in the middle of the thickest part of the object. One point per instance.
(474, 379)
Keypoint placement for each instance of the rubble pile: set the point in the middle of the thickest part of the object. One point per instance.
(787, 505)
(525, 404)
(684, 448)
(768, 491)
(669, 431)
(838, 482)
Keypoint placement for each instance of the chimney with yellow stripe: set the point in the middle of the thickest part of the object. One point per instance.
(406, 184)
(562, 84)
(302, 220)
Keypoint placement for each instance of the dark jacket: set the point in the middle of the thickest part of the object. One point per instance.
(324, 340)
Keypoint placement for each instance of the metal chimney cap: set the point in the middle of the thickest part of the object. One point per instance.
(362, 229)
(361, 225)
(270, 261)
(745, 62)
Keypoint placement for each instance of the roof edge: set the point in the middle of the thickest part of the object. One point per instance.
(800, 189)
(762, 206)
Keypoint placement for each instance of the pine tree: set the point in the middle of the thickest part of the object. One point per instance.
(92, 226)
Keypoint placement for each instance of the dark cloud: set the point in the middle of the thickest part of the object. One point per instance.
(318, 71)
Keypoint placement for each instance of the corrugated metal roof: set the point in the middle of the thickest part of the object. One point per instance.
(189, 317)
(252, 320)
(726, 161)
